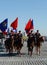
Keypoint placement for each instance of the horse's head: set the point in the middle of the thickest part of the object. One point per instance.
(41, 39)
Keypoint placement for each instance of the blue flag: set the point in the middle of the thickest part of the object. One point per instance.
(3, 25)
(8, 30)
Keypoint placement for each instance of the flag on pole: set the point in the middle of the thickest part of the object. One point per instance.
(14, 24)
(29, 26)
(3, 25)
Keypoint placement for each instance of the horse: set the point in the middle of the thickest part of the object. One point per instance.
(38, 44)
(30, 44)
(9, 44)
(17, 43)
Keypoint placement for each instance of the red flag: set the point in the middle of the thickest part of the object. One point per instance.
(5, 33)
(14, 24)
(29, 26)
(32, 25)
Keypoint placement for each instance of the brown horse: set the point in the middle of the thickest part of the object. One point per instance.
(38, 44)
(17, 43)
(9, 44)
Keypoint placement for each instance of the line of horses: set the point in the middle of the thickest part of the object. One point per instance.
(15, 43)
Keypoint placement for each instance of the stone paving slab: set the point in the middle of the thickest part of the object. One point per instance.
(22, 61)
(25, 59)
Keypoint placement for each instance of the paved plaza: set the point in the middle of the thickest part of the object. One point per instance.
(25, 59)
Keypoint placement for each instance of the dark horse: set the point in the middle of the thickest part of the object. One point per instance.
(14, 42)
(17, 43)
(9, 44)
(38, 44)
(30, 45)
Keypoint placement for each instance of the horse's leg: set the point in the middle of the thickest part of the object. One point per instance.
(15, 48)
(37, 50)
(11, 49)
(30, 53)
(6, 47)
(18, 51)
